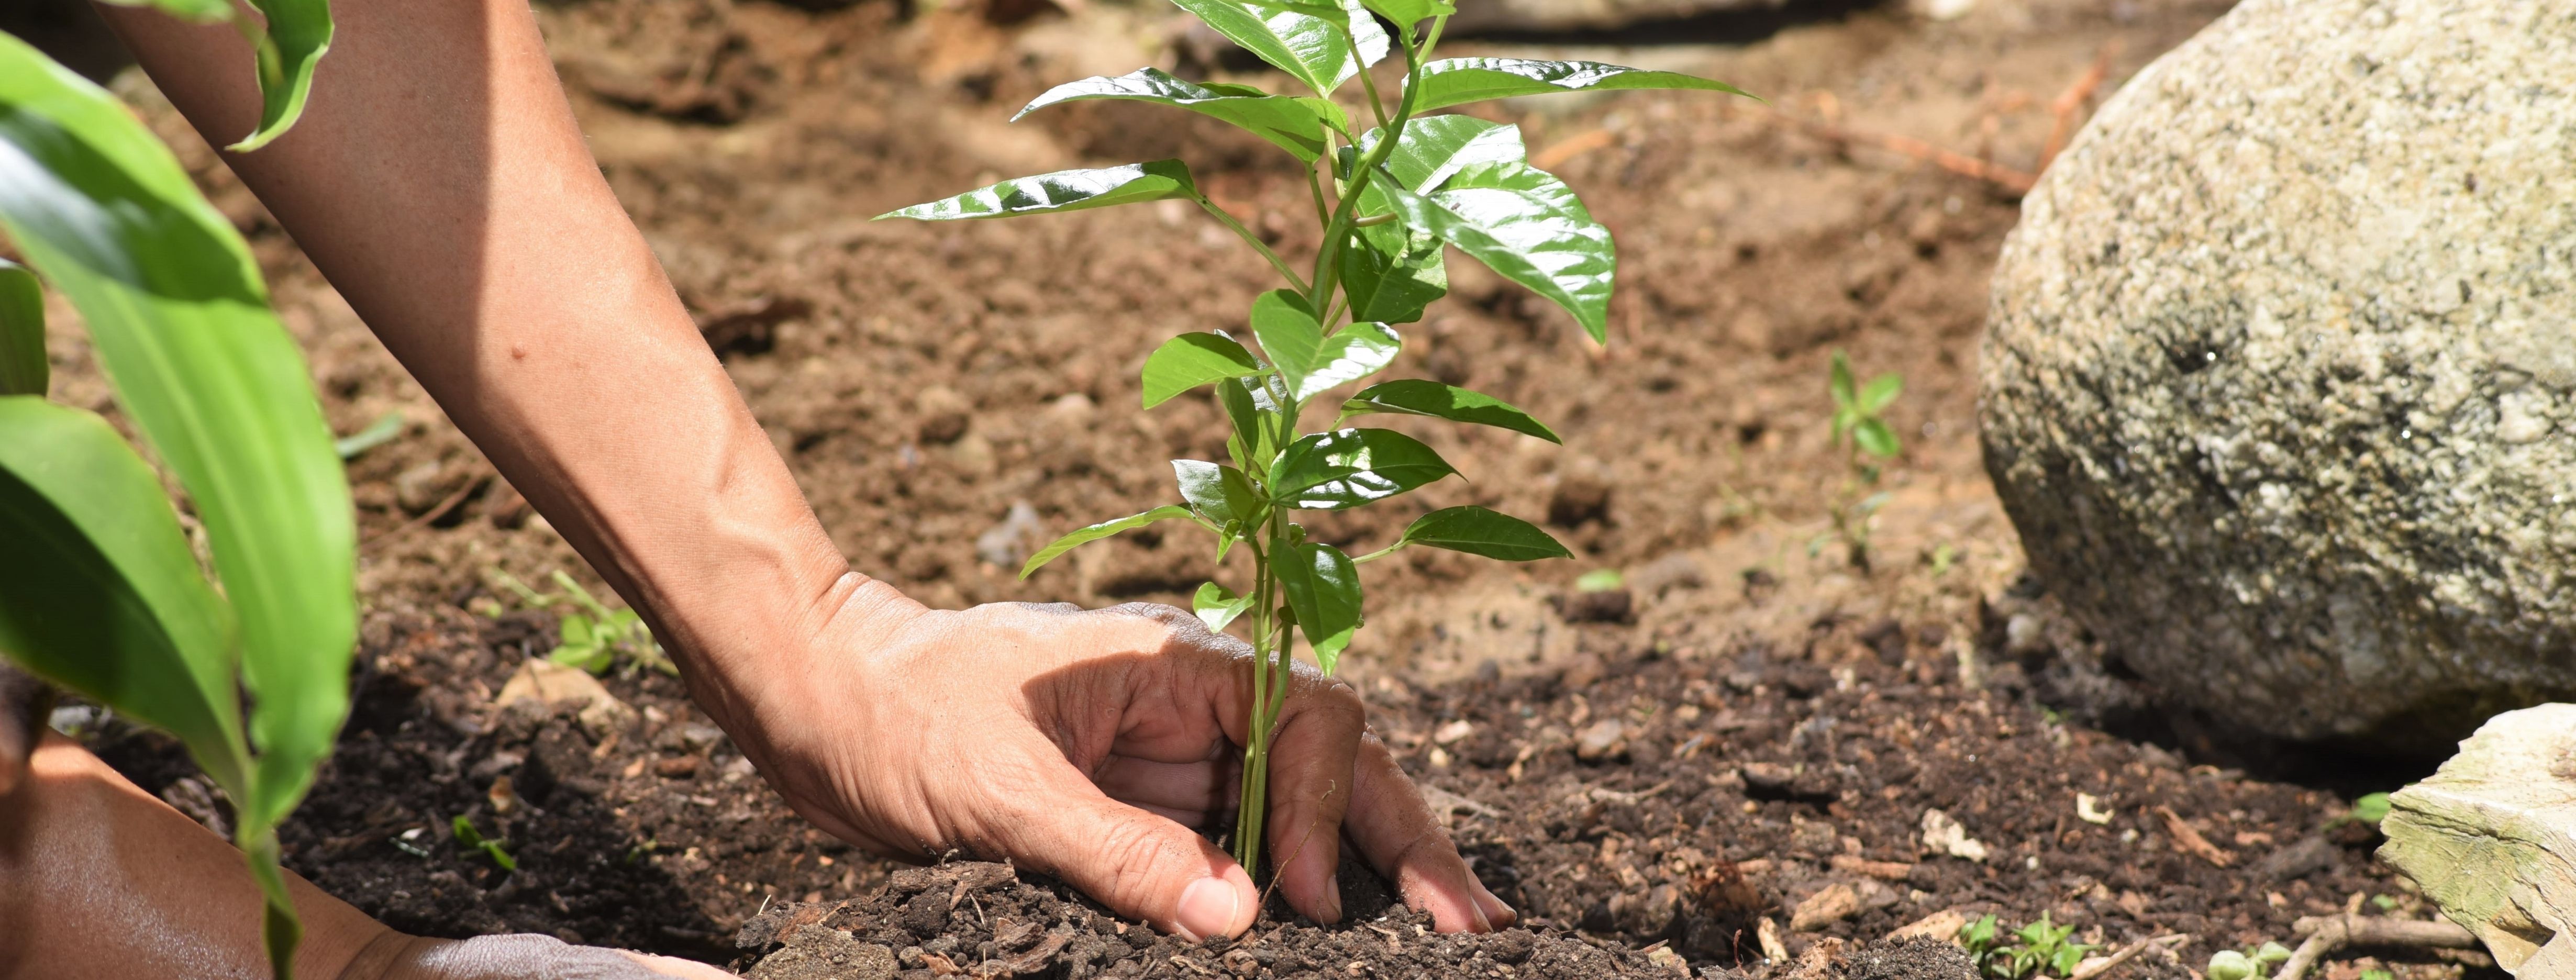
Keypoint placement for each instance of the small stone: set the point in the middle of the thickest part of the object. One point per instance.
(1450, 733)
(1834, 904)
(546, 682)
(681, 767)
(1578, 499)
(1601, 740)
(1009, 543)
(1663, 958)
(1945, 836)
(1939, 925)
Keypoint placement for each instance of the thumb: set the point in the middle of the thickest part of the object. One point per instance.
(1140, 864)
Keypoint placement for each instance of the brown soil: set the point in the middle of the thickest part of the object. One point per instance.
(1753, 729)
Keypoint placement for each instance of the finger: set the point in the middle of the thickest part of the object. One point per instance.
(1193, 819)
(1137, 863)
(1310, 786)
(1395, 831)
(664, 966)
(1183, 786)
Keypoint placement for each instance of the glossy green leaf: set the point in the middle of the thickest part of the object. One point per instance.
(1879, 393)
(179, 319)
(1351, 353)
(1452, 81)
(1220, 492)
(1414, 396)
(1249, 439)
(1061, 191)
(1217, 607)
(1191, 360)
(1296, 125)
(1391, 273)
(200, 11)
(1289, 333)
(1099, 531)
(1311, 42)
(1875, 438)
(1349, 467)
(1323, 588)
(299, 33)
(1478, 531)
(100, 593)
(1405, 13)
(1434, 149)
(1527, 226)
(22, 331)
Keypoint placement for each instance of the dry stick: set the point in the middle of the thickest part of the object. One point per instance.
(2125, 954)
(2072, 100)
(2327, 933)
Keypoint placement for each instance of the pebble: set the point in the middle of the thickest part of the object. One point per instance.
(1600, 740)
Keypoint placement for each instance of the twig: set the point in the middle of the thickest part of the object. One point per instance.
(2328, 933)
(2072, 100)
(2015, 181)
(2192, 841)
(2125, 954)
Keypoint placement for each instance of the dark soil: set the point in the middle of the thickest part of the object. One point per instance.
(1752, 730)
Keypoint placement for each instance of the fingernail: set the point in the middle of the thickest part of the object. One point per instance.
(1207, 908)
(1332, 901)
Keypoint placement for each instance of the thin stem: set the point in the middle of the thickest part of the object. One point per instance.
(1328, 255)
(1380, 553)
(1376, 105)
(1315, 186)
(1253, 240)
(1373, 220)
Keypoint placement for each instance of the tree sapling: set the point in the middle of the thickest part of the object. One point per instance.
(1389, 198)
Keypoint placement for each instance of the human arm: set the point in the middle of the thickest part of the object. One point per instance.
(438, 180)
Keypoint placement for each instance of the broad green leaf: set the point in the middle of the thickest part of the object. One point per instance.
(1293, 124)
(1250, 438)
(1478, 531)
(1216, 607)
(1875, 438)
(1289, 334)
(386, 428)
(100, 593)
(299, 32)
(1527, 226)
(1099, 531)
(1879, 393)
(1220, 492)
(1354, 352)
(1406, 13)
(200, 11)
(1452, 81)
(1392, 272)
(1311, 42)
(180, 321)
(1191, 360)
(1434, 149)
(22, 331)
(1414, 396)
(1323, 588)
(1349, 467)
(1061, 191)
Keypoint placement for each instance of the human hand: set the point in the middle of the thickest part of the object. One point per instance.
(1088, 745)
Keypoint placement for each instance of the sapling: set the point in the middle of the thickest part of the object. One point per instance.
(1868, 442)
(1389, 194)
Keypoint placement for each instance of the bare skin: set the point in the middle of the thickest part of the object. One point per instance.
(439, 181)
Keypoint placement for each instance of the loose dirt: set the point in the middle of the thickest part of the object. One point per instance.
(1755, 728)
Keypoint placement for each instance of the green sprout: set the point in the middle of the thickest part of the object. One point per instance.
(2250, 963)
(2370, 809)
(2038, 949)
(1868, 442)
(592, 635)
(472, 840)
(1390, 200)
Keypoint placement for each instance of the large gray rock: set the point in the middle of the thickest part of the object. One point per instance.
(2276, 382)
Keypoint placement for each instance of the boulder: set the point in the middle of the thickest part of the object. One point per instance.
(2277, 373)
(2491, 838)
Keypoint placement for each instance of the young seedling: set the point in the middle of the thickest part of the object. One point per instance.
(472, 840)
(1868, 442)
(2038, 949)
(1389, 199)
(593, 635)
(2250, 963)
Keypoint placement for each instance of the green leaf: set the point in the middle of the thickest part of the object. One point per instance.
(1354, 352)
(2228, 964)
(1220, 492)
(1526, 225)
(1191, 360)
(1311, 362)
(100, 593)
(1293, 124)
(22, 332)
(1478, 531)
(1349, 467)
(1392, 272)
(1323, 588)
(1433, 149)
(180, 321)
(1099, 531)
(1250, 440)
(1311, 42)
(1406, 13)
(200, 11)
(1216, 607)
(1599, 580)
(1062, 191)
(1875, 438)
(1879, 393)
(386, 428)
(1453, 81)
(1838, 382)
(1414, 396)
(2371, 808)
(299, 32)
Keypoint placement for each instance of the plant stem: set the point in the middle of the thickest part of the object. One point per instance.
(1253, 240)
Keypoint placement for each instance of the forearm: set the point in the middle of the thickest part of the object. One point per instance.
(439, 181)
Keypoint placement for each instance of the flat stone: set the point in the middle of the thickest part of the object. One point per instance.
(2491, 838)
(2279, 363)
(548, 682)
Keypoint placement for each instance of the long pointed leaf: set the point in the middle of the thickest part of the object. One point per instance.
(1061, 191)
(1414, 396)
(1351, 353)
(1216, 606)
(100, 593)
(1099, 531)
(1191, 360)
(1311, 42)
(1323, 587)
(1349, 467)
(1293, 124)
(22, 332)
(1478, 531)
(299, 33)
(1528, 226)
(1453, 81)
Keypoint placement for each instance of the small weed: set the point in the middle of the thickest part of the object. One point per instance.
(2035, 950)
(1599, 580)
(1868, 442)
(473, 840)
(2369, 809)
(2383, 903)
(593, 634)
(386, 428)
(2250, 963)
